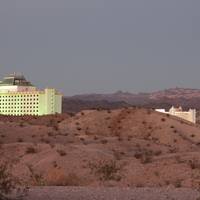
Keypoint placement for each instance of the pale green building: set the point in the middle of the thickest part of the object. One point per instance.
(20, 97)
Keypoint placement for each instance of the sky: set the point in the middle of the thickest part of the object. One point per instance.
(102, 46)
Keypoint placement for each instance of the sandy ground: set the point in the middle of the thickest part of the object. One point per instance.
(86, 193)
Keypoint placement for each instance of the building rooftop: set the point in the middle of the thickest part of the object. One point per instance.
(15, 79)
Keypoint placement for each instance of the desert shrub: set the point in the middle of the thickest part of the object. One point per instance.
(21, 124)
(31, 150)
(144, 122)
(106, 170)
(82, 139)
(194, 164)
(175, 140)
(144, 155)
(20, 140)
(55, 127)
(139, 185)
(50, 134)
(104, 141)
(158, 152)
(117, 155)
(61, 152)
(36, 178)
(157, 173)
(163, 119)
(55, 164)
(120, 139)
(77, 123)
(173, 150)
(9, 185)
(148, 111)
(129, 137)
(52, 145)
(95, 137)
(178, 183)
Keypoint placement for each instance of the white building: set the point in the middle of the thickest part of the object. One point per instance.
(178, 112)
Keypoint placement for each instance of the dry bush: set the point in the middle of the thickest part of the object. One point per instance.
(36, 178)
(9, 185)
(178, 183)
(50, 134)
(104, 141)
(95, 137)
(20, 140)
(145, 156)
(31, 150)
(61, 152)
(148, 111)
(194, 164)
(163, 119)
(106, 170)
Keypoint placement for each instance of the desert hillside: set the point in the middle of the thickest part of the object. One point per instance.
(123, 147)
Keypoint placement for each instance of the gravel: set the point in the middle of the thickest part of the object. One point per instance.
(85, 193)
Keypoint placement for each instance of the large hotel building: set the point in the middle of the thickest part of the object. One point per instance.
(19, 97)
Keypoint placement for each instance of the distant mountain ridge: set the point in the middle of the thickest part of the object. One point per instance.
(186, 97)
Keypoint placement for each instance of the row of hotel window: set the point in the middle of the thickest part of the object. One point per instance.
(14, 96)
(19, 111)
(36, 99)
(19, 107)
(24, 103)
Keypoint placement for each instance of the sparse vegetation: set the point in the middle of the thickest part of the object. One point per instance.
(31, 150)
(194, 164)
(61, 152)
(106, 170)
(163, 119)
(36, 178)
(20, 140)
(104, 141)
(9, 184)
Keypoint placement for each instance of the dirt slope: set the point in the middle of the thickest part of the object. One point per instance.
(125, 147)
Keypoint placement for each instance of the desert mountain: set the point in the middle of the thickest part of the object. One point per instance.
(122, 147)
(187, 98)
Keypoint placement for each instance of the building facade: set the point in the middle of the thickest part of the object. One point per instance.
(178, 112)
(19, 97)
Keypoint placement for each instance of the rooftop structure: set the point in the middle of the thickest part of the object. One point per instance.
(189, 115)
(19, 97)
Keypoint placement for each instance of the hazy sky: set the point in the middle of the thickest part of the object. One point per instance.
(83, 46)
